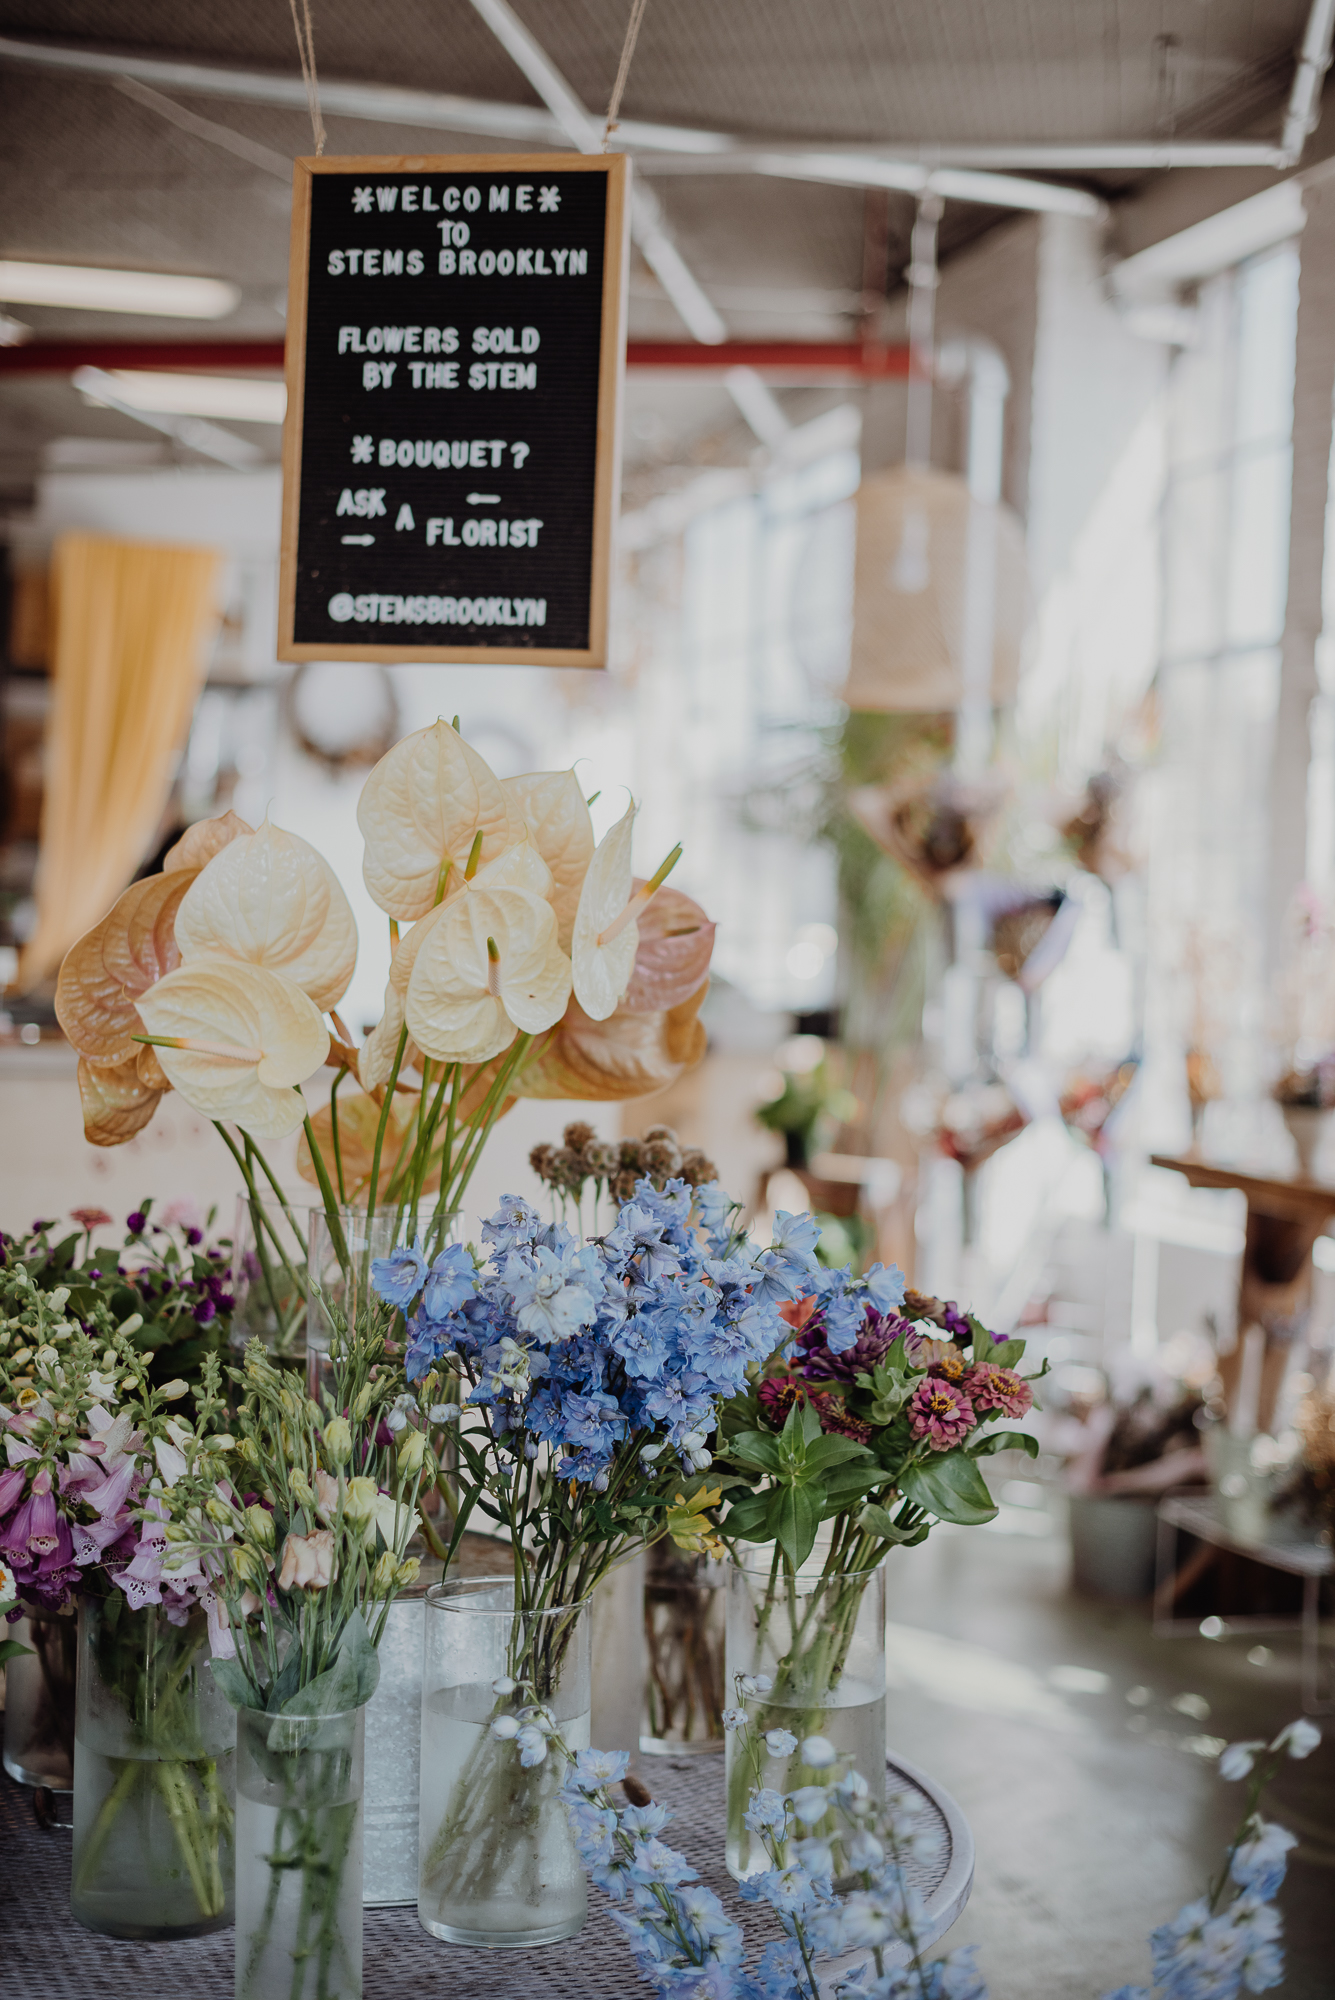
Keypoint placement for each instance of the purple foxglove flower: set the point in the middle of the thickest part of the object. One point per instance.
(12, 1484)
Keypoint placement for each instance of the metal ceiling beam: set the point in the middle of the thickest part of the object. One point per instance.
(691, 147)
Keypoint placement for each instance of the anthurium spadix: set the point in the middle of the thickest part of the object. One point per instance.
(235, 1039)
(490, 964)
(420, 812)
(268, 898)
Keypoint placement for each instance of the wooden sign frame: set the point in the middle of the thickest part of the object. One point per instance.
(611, 377)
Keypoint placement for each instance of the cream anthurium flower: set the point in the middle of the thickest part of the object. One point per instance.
(235, 1039)
(376, 1064)
(559, 826)
(518, 867)
(606, 935)
(420, 812)
(489, 964)
(269, 899)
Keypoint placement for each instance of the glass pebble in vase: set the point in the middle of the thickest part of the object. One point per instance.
(820, 1642)
(394, 1746)
(299, 1785)
(154, 1754)
(269, 1256)
(39, 1700)
(498, 1865)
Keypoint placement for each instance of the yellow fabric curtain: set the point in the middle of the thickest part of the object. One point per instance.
(130, 621)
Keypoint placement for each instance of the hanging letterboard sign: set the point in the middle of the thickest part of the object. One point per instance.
(455, 350)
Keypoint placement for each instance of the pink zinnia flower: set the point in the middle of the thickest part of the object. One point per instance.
(938, 1411)
(993, 1388)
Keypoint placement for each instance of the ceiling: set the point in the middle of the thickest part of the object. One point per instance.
(93, 175)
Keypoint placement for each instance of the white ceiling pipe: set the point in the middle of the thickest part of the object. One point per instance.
(1304, 106)
(196, 433)
(579, 127)
(647, 223)
(978, 363)
(689, 149)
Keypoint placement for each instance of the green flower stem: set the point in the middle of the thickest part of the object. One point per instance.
(390, 1087)
(333, 1135)
(108, 1813)
(261, 1219)
(327, 1196)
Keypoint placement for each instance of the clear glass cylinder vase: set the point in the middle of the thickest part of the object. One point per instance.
(498, 1865)
(154, 1752)
(299, 1856)
(820, 1641)
(269, 1256)
(39, 1701)
(685, 1622)
(343, 1248)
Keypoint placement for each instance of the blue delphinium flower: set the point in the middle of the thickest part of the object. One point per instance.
(885, 1287)
(398, 1277)
(1260, 1862)
(513, 1222)
(638, 1334)
(451, 1280)
(545, 1289)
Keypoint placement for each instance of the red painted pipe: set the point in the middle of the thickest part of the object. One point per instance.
(796, 359)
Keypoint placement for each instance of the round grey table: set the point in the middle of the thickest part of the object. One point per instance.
(44, 1955)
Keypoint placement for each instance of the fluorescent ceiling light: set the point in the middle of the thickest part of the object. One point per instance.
(90, 290)
(244, 399)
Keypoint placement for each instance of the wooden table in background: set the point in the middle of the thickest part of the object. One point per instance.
(1284, 1219)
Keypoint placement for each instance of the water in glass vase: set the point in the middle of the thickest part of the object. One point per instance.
(856, 1728)
(152, 1844)
(299, 1857)
(499, 1866)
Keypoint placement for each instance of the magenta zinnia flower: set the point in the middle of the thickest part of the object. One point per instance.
(993, 1388)
(937, 1410)
(776, 1396)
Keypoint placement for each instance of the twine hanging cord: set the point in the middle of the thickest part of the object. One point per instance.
(623, 69)
(306, 50)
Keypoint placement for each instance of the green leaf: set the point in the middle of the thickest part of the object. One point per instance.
(1004, 1441)
(1005, 1354)
(796, 1519)
(950, 1486)
(746, 1519)
(846, 1482)
(349, 1683)
(233, 1683)
(10, 1649)
(832, 1451)
(758, 1449)
(877, 1521)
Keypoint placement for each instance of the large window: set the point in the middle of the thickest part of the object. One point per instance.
(1225, 567)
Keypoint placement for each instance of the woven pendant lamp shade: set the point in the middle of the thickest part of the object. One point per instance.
(915, 527)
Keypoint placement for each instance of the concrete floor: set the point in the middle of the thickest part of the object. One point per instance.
(1082, 1749)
